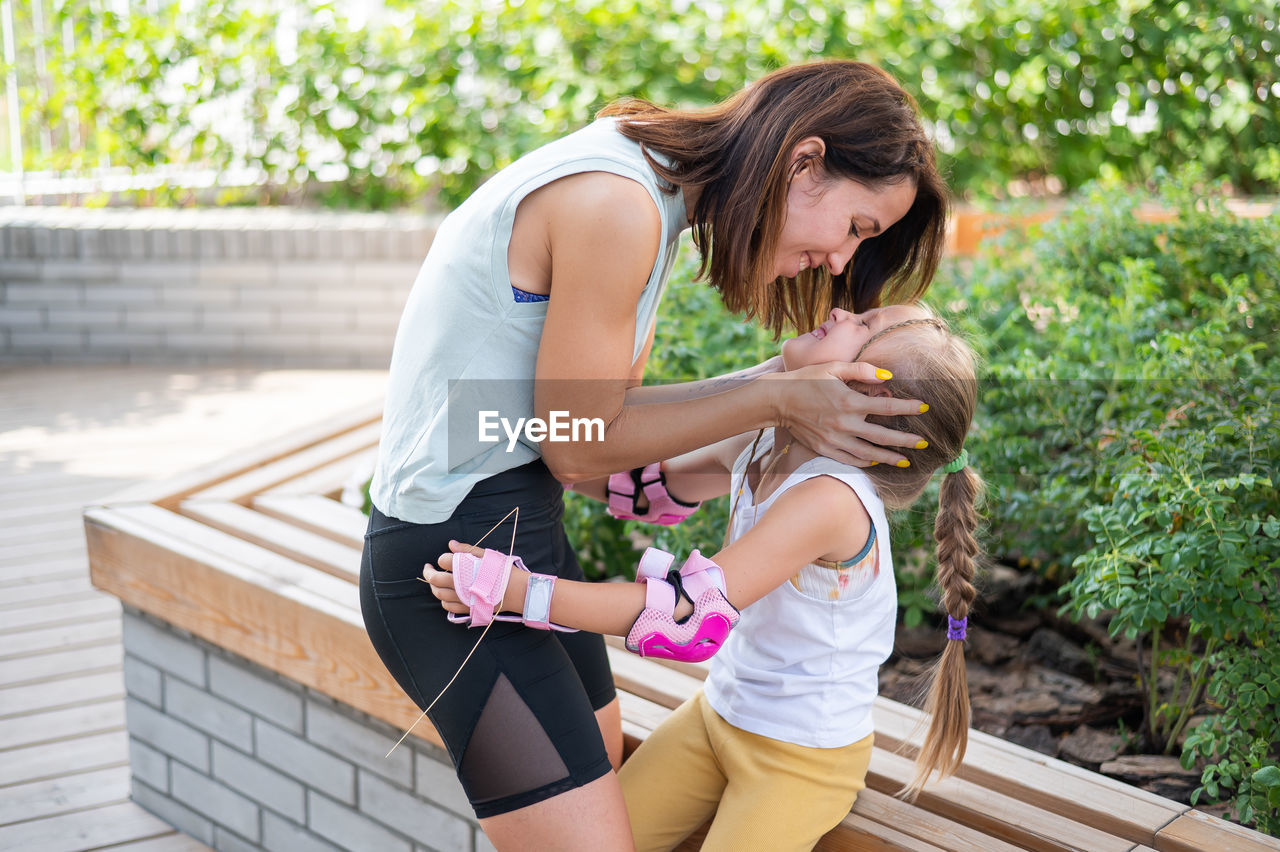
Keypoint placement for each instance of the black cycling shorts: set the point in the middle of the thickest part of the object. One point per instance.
(519, 719)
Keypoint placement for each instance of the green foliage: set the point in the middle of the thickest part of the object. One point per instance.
(1130, 430)
(428, 98)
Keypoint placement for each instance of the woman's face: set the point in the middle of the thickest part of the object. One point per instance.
(828, 218)
(843, 335)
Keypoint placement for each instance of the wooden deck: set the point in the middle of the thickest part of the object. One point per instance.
(69, 437)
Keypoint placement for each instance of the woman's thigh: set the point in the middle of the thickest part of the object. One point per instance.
(512, 708)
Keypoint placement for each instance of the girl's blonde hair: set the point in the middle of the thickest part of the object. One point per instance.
(936, 366)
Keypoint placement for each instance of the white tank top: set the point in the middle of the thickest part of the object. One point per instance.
(465, 346)
(804, 669)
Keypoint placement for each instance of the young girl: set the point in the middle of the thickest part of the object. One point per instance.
(777, 743)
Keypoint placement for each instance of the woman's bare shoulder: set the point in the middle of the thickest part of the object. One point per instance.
(610, 197)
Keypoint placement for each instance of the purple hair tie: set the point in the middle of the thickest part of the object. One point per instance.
(956, 628)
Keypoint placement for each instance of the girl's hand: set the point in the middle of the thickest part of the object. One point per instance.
(441, 582)
(822, 412)
(441, 579)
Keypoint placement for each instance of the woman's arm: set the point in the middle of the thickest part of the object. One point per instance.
(820, 518)
(693, 477)
(602, 233)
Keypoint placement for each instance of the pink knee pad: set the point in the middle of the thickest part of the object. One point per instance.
(624, 491)
(656, 633)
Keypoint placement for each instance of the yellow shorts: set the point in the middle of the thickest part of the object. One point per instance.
(765, 794)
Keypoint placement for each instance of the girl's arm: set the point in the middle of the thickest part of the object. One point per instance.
(820, 518)
(602, 233)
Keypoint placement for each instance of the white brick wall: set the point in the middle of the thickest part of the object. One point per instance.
(242, 758)
(275, 287)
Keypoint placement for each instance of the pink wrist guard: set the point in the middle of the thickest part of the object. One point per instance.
(482, 581)
(625, 490)
(656, 633)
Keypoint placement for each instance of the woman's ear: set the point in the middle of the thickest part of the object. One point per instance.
(807, 153)
(808, 147)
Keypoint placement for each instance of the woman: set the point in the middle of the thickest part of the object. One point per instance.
(538, 299)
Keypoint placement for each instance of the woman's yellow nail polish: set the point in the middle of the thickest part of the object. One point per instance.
(903, 463)
(920, 445)
(924, 406)
(883, 374)
(873, 464)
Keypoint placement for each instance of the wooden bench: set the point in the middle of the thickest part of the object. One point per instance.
(256, 555)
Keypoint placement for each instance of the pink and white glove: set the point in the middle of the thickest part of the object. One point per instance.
(482, 581)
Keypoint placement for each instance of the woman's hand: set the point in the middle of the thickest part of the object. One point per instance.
(819, 408)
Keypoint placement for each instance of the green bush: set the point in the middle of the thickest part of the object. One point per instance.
(427, 99)
(1130, 428)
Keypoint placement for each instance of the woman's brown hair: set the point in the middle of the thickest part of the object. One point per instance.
(738, 155)
(936, 366)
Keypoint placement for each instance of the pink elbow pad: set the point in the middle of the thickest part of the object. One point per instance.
(656, 633)
(625, 490)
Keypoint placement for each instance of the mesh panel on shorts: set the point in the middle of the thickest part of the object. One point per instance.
(509, 753)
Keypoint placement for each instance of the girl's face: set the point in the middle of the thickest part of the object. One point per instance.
(843, 335)
(827, 219)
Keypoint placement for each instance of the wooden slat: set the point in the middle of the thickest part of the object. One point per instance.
(91, 829)
(1040, 780)
(266, 612)
(73, 792)
(320, 515)
(49, 760)
(182, 539)
(46, 616)
(657, 684)
(859, 834)
(277, 536)
(328, 480)
(992, 813)
(172, 842)
(38, 668)
(1198, 832)
(291, 466)
(87, 717)
(641, 712)
(892, 813)
(37, 552)
(74, 635)
(69, 563)
(69, 586)
(15, 700)
(171, 491)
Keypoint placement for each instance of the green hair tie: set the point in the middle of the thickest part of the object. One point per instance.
(958, 463)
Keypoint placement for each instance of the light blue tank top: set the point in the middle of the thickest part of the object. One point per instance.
(464, 347)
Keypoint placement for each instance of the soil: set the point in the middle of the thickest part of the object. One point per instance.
(1064, 689)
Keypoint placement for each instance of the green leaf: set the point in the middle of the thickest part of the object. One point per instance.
(1267, 776)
